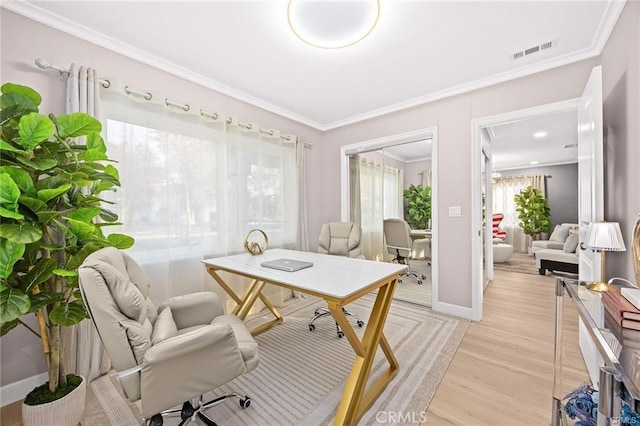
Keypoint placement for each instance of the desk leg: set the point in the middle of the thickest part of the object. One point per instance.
(356, 399)
(246, 302)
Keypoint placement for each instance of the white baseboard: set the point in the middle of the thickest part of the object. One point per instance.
(18, 390)
(449, 309)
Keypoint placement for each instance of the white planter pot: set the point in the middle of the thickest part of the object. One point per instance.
(66, 411)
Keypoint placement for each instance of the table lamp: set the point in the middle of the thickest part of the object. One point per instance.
(604, 237)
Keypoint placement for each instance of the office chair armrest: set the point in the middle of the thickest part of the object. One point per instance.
(183, 367)
(194, 309)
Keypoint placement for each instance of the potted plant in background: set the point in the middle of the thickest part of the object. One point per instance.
(418, 210)
(50, 186)
(533, 211)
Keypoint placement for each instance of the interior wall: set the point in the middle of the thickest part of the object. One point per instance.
(22, 40)
(621, 95)
(561, 187)
(453, 116)
(413, 172)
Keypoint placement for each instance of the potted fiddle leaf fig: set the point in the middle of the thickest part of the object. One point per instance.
(52, 173)
(533, 211)
(418, 210)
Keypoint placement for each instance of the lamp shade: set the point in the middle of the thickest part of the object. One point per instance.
(605, 236)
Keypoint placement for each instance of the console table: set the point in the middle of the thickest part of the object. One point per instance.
(616, 384)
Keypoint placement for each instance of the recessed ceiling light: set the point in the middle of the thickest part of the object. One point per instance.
(332, 24)
(534, 162)
(539, 135)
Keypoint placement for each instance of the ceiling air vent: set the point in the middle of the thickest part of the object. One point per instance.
(533, 49)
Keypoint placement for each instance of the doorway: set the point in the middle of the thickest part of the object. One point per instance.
(413, 155)
(483, 146)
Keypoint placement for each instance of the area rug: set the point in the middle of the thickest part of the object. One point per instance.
(519, 262)
(301, 374)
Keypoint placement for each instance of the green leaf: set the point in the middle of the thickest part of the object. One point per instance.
(43, 299)
(13, 105)
(85, 214)
(25, 91)
(93, 155)
(77, 124)
(8, 326)
(41, 272)
(32, 204)
(49, 194)
(20, 233)
(10, 214)
(120, 241)
(38, 163)
(13, 304)
(34, 129)
(108, 215)
(10, 253)
(21, 178)
(65, 273)
(9, 191)
(81, 229)
(112, 171)
(68, 314)
(6, 146)
(46, 215)
(96, 143)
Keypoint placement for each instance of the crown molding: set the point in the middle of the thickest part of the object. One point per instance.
(607, 23)
(45, 17)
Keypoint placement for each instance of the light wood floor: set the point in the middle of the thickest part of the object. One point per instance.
(502, 373)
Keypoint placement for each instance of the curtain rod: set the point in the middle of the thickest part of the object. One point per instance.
(46, 65)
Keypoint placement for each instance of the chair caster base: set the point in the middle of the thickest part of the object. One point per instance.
(245, 402)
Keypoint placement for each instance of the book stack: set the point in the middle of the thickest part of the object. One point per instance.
(622, 318)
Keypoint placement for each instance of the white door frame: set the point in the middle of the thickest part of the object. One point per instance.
(373, 144)
(476, 181)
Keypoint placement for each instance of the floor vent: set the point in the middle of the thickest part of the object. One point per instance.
(533, 49)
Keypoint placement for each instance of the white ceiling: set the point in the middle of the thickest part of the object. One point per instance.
(419, 51)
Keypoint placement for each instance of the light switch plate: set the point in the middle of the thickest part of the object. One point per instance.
(455, 211)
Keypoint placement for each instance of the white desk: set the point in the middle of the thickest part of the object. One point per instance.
(339, 281)
(420, 233)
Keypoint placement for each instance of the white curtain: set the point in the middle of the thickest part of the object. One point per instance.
(504, 190)
(380, 198)
(426, 177)
(302, 237)
(83, 352)
(194, 184)
(393, 181)
(354, 189)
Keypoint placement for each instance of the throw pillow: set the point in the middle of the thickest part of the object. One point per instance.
(164, 327)
(571, 243)
(559, 234)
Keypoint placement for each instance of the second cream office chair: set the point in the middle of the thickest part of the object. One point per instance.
(167, 356)
(339, 239)
(397, 235)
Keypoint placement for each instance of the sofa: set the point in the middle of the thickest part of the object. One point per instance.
(560, 252)
(556, 239)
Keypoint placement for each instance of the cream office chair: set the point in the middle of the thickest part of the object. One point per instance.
(166, 356)
(339, 239)
(397, 235)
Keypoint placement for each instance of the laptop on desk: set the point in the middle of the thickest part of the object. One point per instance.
(289, 265)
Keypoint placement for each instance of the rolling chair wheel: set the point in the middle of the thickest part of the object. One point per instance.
(419, 282)
(340, 334)
(245, 402)
(312, 327)
(360, 323)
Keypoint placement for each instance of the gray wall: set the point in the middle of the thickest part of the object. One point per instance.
(561, 188)
(621, 87)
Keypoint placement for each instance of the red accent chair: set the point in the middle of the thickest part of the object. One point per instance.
(497, 233)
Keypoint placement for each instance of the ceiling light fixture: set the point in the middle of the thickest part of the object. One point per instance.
(534, 162)
(539, 135)
(332, 24)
